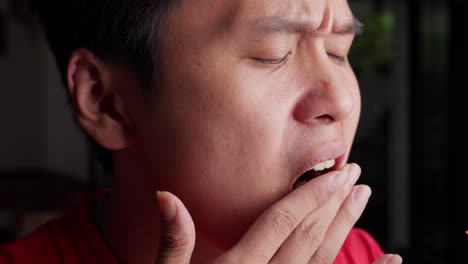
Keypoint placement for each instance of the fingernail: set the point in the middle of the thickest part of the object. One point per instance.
(340, 179)
(167, 208)
(361, 195)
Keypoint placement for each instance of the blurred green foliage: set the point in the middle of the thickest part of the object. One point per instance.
(372, 52)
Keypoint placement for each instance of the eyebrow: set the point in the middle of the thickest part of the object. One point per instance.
(279, 24)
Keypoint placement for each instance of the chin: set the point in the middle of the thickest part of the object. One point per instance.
(223, 226)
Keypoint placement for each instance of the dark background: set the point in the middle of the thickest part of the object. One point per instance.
(413, 135)
(412, 64)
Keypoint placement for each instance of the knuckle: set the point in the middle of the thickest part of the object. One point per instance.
(349, 216)
(313, 234)
(283, 221)
(323, 256)
(172, 246)
(318, 197)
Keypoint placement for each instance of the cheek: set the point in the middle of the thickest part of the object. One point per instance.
(221, 145)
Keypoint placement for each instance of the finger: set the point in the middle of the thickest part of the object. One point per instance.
(177, 231)
(273, 227)
(344, 221)
(301, 245)
(389, 259)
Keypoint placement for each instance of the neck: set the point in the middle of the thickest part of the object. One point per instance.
(129, 222)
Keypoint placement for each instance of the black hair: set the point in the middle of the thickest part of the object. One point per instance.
(118, 31)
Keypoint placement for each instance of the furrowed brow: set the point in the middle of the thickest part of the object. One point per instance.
(353, 27)
(285, 25)
(282, 25)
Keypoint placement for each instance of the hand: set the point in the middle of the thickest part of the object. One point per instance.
(307, 226)
(389, 259)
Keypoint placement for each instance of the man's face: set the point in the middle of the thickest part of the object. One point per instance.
(253, 93)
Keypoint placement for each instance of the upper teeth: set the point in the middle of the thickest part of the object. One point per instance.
(324, 165)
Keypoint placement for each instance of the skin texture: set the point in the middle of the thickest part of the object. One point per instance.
(243, 107)
(239, 130)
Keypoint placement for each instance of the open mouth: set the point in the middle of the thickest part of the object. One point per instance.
(315, 172)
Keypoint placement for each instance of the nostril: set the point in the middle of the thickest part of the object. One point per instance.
(325, 119)
(304, 113)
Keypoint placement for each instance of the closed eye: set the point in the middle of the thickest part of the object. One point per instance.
(272, 62)
(337, 58)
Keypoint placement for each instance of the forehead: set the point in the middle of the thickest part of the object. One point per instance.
(223, 14)
(302, 9)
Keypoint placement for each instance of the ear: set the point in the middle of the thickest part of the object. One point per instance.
(97, 99)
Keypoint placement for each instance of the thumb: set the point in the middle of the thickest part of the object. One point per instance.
(177, 231)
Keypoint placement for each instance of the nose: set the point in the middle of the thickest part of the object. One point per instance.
(327, 99)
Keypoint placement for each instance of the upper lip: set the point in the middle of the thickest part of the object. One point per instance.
(329, 151)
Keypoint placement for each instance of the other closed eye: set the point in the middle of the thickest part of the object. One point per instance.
(272, 61)
(337, 58)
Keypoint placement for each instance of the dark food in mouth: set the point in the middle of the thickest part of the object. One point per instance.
(307, 176)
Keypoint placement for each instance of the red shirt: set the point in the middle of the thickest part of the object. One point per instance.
(359, 248)
(74, 239)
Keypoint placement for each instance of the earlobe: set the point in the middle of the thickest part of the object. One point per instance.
(96, 100)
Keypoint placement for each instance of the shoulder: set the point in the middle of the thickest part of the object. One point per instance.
(39, 247)
(359, 248)
(71, 239)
